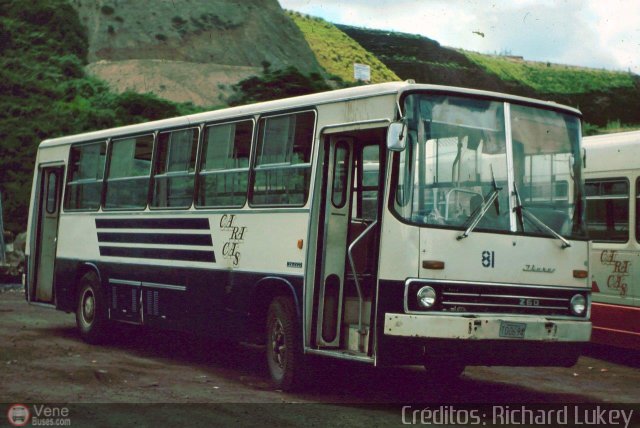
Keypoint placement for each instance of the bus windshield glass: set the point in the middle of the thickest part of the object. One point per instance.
(464, 154)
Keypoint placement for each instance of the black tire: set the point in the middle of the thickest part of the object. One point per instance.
(91, 311)
(443, 371)
(285, 358)
(570, 358)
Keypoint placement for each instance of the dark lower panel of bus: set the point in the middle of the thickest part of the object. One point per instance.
(211, 302)
(410, 351)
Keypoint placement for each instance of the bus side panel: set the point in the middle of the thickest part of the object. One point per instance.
(616, 325)
(203, 265)
(615, 279)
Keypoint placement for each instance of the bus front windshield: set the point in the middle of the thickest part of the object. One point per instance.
(504, 166)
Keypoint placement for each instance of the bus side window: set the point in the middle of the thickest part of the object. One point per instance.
(129, 172)
(283, 160)
(52, 196)
(608, 210)
(86, 171)
(174, 171)
(223, 178)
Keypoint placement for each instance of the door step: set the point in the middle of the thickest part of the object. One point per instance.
(352, 339)
(342, 354)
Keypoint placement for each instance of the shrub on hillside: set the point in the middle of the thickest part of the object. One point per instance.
(272, 85)
(46, 94)
(55, 18)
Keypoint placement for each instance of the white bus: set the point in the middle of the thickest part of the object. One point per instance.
(388, 224)
(612, 174)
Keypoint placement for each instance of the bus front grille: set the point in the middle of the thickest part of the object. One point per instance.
(498, 299)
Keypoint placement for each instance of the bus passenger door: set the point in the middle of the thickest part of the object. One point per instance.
(337, 211)
(47, 232)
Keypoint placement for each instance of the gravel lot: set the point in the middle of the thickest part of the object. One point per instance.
(42, 360)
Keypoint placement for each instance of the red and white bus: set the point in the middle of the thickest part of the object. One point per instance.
(612, 174)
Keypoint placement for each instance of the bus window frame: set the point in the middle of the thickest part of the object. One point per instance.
(67, 177)
(200, 161)
(253, 169)
(601, 180)
(105, 185)
(48, 199)
(343, 177)
(154, 160)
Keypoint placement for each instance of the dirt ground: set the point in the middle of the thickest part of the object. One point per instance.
(206, 85)
(42, 360)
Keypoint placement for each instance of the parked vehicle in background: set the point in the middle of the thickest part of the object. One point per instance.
(612, 174)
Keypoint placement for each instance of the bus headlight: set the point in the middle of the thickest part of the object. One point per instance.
(426, 297)
(578, 304)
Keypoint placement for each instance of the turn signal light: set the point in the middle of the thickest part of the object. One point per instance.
(433, 264)
(300, 243)
(580, 274)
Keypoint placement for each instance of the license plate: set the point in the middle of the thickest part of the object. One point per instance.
(512, 329)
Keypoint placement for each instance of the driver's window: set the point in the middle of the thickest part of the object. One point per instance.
(455, 178)
(452, 179)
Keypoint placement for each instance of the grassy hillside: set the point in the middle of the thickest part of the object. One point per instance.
(45, 93)
(337, 52)
(551, 78)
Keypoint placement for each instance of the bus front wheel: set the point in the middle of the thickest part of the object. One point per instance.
(284, 347)
(91, 316)
(443, 371)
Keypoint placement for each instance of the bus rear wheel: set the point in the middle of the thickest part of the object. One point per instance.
(284, 348)
(91, 314)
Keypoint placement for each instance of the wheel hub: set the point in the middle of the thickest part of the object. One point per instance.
(278, 344)
(88, 308)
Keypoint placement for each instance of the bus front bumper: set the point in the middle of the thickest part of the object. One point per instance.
(490, 327)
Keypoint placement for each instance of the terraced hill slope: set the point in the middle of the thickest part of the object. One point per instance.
(604, 97)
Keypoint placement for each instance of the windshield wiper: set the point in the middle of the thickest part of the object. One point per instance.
(521, 212)
(491, 198)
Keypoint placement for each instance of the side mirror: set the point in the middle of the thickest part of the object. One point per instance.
(397, 137)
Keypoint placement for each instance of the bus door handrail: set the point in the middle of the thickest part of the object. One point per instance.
(362, 333)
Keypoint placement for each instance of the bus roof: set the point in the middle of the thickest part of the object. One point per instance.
(612, 152)
(359, 92)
